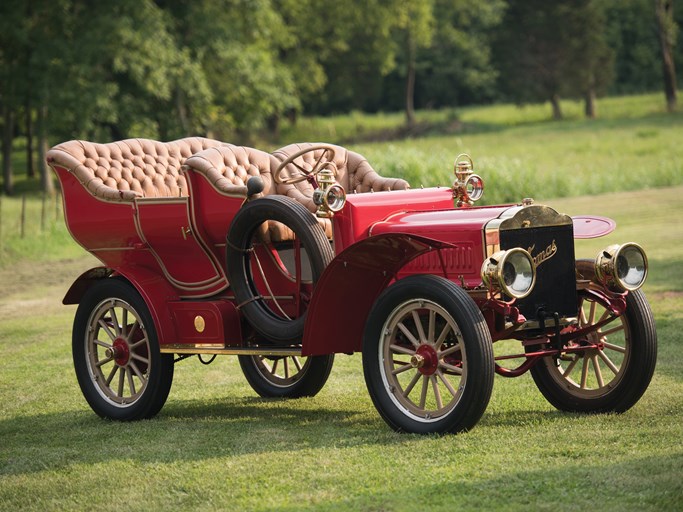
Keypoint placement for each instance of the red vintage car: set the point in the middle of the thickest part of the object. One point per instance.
(286, 259)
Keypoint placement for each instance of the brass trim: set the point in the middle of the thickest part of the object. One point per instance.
(229, 351)
(188, 287)
(536, 216)
(199, 323)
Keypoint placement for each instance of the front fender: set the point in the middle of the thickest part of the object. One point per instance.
(349, 287)
(154, 289)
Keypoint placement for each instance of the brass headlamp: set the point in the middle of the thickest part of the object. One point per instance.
(467, 187)
(512, 272)
(622, 267)
(329, 197)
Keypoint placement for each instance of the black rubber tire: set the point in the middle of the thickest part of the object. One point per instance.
(635, 371)
(238, 266)
(306, 382)
(157, 371)
(475, 384)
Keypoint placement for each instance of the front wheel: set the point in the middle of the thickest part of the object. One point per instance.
(286, 376)
(613, 377)
(428, 357)
(120, 370)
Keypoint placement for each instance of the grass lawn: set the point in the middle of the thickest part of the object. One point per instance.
(216, 446)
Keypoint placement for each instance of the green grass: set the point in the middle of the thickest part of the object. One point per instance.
(519, 151)
(44, 235)
(216, 446)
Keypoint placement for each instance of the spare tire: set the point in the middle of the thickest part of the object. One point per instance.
(249, 275)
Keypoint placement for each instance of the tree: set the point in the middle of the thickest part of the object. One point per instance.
(415, 29)
(590, 60)
(457, 66)
(667, 30)
(550, 49)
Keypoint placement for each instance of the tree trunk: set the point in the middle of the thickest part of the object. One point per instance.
(667, 29)
(410, 83)
(557, 110)
(590, 109)
(181, 111)
(7, 137)
(30, 167)
(46, 182)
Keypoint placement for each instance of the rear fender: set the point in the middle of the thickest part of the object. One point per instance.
(154, 289)
(349, 287)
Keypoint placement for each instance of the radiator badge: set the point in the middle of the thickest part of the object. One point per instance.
(544, 255)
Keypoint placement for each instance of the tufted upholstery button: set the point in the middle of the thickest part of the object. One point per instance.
(124, 170)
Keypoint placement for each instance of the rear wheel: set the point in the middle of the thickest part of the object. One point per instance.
(428, 357)
(120, 370)
(611, 378)
(286, 377)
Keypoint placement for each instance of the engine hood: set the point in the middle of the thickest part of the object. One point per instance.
(445, 225)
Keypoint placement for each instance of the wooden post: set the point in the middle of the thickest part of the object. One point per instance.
(2, 246)
(23, 215)
(58, 203)
(42, 212)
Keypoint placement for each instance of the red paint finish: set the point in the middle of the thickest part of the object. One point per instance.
(431, 359)
(221, 322)
(462, 228)
(350, 286)
(363, 210)
(592, 226)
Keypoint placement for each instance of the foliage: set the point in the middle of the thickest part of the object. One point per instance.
(239, 69)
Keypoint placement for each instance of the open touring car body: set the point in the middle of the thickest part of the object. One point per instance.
(219, 268)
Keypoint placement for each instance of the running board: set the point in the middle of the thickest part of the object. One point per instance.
(230, 351)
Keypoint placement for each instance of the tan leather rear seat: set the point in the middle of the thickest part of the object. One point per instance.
(129, 169)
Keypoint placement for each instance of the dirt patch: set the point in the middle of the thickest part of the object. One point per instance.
(31, 286)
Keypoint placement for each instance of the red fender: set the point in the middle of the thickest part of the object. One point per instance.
(154, 289)
(349, 287)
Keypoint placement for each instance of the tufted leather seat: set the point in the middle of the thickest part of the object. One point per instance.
(354, 173)
(228, 167)
(129, 169)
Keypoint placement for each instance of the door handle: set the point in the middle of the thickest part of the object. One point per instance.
(185, 231)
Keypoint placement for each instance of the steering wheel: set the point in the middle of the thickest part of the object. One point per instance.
(323, 161)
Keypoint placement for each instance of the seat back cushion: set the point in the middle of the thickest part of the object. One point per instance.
(228, 168)
(131, 168)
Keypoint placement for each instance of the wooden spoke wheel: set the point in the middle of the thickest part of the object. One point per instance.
(116, 353)
(616, 367)
(286, 376)
(427, 357)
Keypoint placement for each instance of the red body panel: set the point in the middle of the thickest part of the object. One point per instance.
(462, 228)
(172, 250)
(592, 226)
(362, 211)
(350, 285)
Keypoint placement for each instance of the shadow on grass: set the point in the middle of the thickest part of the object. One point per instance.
(195, 430)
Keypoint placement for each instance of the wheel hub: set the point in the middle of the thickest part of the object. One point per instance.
(425, 360)
(119, 352)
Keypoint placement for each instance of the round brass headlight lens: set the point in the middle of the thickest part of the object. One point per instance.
(511, 272)
(474, 187)
(622, 267)
(335, 198)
